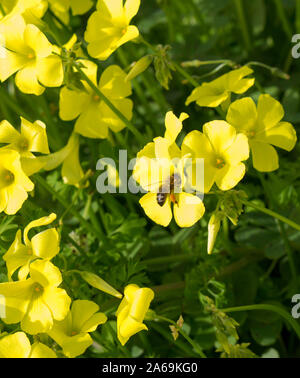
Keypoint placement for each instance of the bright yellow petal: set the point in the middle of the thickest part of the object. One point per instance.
(207, 95)
(82, 310)
(140, 305)
(39, 350)
(113, 84)
(269, 111)
(76, 345)
(71, 103)
(188, 210)
(35, 134)
(38, 318)
(110, 119)
(26, 81)
(58, 302)
(45, 273)
(238, 151)
(90, 123)
(237, 83)
(220, 134)
(131, 8)
(15, 346)
(46, 244)
(72, 172)
(10, 63)
(159, 214)
(131, 33)
(14, 300)
(229, 176)
(50, 71)
(36, 40)
(264, 156)
(8, 134)
(282, 135)
(44, 221)
(242, 115)
(174, 125)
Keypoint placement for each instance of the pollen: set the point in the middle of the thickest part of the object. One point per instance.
(123, 31)
(30, 56)
(96, 98)
(220, 163)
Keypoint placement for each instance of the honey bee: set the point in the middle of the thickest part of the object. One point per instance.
(168, 188)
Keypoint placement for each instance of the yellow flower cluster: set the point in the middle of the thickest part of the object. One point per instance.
(37, 302)
(222, 146)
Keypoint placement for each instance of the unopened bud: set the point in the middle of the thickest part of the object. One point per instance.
(213, 229)
(139, 67)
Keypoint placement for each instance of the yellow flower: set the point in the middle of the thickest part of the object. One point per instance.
(32, 138)
(132, 311)
(160, 168)
(264, 129)
(29, 9)
(72, 333)
(68, 156)
(26, 50)
(223, 151)
(37, 301)
(108, 28)
(14, 184)
(95, 117)
(44, 245)
(216, 92)
(61, 8)
(18, 345)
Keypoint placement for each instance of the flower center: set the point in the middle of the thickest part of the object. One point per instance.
(30, 55)
(250, 133)
(96, 98)
(220, 163)
(6, 178)
(38, 288)
(73, 333)
(23, 144)
(123, 31)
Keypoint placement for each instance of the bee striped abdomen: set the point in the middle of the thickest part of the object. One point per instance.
(161, 198)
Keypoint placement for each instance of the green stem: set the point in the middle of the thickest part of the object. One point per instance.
(268, 307)
(120, 115)
(291, 223)
(282, 16)
(188, 77)
(65, 203)
(188, 339)
(243, 24)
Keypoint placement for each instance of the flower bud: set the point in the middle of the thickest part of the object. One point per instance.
(139, 67)
(213, 229)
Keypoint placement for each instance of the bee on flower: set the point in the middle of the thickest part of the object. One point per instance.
(161, 169)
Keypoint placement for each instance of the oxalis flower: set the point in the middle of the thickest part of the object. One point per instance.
(29, 9)
(223, 151)
(95, 117)
(160, 170)
(14, 184)
(32, 138)
(263, 128)
(108, 28)
(18, 345)
(72, 333)
(132, 311)
(44, 245)
(37, 301)
(68, 157)
(26, 50)
(61, 8)
(218, 91)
